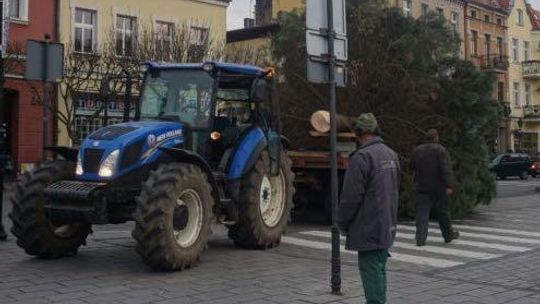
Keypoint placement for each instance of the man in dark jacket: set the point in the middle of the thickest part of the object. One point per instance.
(368, 207)
(434, 183)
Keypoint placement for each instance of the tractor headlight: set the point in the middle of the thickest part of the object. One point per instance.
(78, 168)
(108, 166)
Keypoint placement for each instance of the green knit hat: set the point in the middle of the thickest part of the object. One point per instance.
(366, 122)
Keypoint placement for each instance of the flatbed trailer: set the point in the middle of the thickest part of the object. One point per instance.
(312, 180)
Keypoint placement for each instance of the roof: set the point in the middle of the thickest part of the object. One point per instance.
(233, 68)
(505, 4)
(252, 32)
(534, 16)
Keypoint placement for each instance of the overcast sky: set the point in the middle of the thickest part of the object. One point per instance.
(238, 10)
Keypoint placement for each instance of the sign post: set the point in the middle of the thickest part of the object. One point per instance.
(327, 49)
(44, 62)
(4, 24)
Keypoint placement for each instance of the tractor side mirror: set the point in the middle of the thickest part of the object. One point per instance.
(260, 91)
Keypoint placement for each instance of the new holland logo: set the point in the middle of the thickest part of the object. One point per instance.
(151, 140)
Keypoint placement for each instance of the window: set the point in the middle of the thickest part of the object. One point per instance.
(454, 20)
(517, 103)
(473, 14)
(126, 35)
(499, 21)
(526, 50)
(407, 7)
(474, 45)
(440, 12)
(425, 9)
(18, 9)
(487, 45)
(500, 46)
(486, 18)
(515, 49)
(198, 35)
(527, 94)
(164, 39)
(85, 31)
(520, 17)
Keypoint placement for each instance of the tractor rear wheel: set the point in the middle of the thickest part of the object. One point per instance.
(173, 217)
(265, 205)
(36, 233)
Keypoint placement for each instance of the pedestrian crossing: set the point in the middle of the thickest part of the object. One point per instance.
(476, 243)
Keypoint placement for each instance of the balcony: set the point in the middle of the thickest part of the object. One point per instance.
(531, 113)
(531, 69)
(496, 62)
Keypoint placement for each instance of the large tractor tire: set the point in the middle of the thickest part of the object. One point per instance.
(173, 217)
(265, 205)
(35, 232)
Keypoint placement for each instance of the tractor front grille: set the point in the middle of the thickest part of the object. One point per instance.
(92, 160)
(74, 190)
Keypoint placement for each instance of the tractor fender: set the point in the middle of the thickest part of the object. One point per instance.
(246, 153)
(186, 156)
(67, 153)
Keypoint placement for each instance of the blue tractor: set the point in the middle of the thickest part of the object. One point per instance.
(204, 146)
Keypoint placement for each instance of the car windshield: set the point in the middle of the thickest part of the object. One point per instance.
(185, 95)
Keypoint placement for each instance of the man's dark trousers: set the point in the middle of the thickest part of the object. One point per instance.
(439, 204)
(372, 265)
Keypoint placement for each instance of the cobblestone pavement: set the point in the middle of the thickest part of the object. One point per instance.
(497, 260)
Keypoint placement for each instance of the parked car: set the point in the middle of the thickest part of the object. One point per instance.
(534, 169)
(511, 164)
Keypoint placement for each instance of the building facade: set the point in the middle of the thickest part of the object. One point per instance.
(486, 46)
(87, 27)
(527, 127)
(451, 10)
(20, 110)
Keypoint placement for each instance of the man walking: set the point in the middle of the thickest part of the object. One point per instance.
(434, 183)
(369, 204)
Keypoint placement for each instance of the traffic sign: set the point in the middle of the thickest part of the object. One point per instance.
(317, 72)
(317, 16)
(317, 45)
(44, 60)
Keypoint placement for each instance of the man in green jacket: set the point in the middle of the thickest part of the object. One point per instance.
(369, 205)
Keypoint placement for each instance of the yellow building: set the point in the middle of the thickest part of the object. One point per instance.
(522, 86)
(87, 27)
(267, 11)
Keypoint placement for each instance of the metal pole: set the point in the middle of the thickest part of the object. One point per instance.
(336, 259)
(45, 95)
(3, 235)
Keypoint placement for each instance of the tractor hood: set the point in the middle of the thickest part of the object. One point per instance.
(136, 143)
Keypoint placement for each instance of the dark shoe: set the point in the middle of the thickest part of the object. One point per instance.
(420, 243)
(455, 236)
(3, 235)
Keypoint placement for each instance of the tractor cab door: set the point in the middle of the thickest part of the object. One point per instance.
(267, 110)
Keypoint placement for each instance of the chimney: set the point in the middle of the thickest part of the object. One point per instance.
(249, 22)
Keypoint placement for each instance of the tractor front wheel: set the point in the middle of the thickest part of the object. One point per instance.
(265, 205)
(173, 217)
(36, 233)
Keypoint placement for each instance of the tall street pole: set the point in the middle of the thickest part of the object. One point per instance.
(3, 235)
(336, 259)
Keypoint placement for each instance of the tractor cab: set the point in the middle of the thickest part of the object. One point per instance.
(215, 102)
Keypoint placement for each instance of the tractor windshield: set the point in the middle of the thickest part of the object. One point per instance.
(185, 95)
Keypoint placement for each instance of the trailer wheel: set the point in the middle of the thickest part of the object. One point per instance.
(265, 205)
(35, 232)
(173, 217)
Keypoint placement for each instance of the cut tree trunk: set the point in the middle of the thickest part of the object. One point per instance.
(320, 121)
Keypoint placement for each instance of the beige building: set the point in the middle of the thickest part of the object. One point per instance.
(87, 27)
(451, 10)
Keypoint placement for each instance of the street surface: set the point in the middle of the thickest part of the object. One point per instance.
(496, 260)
